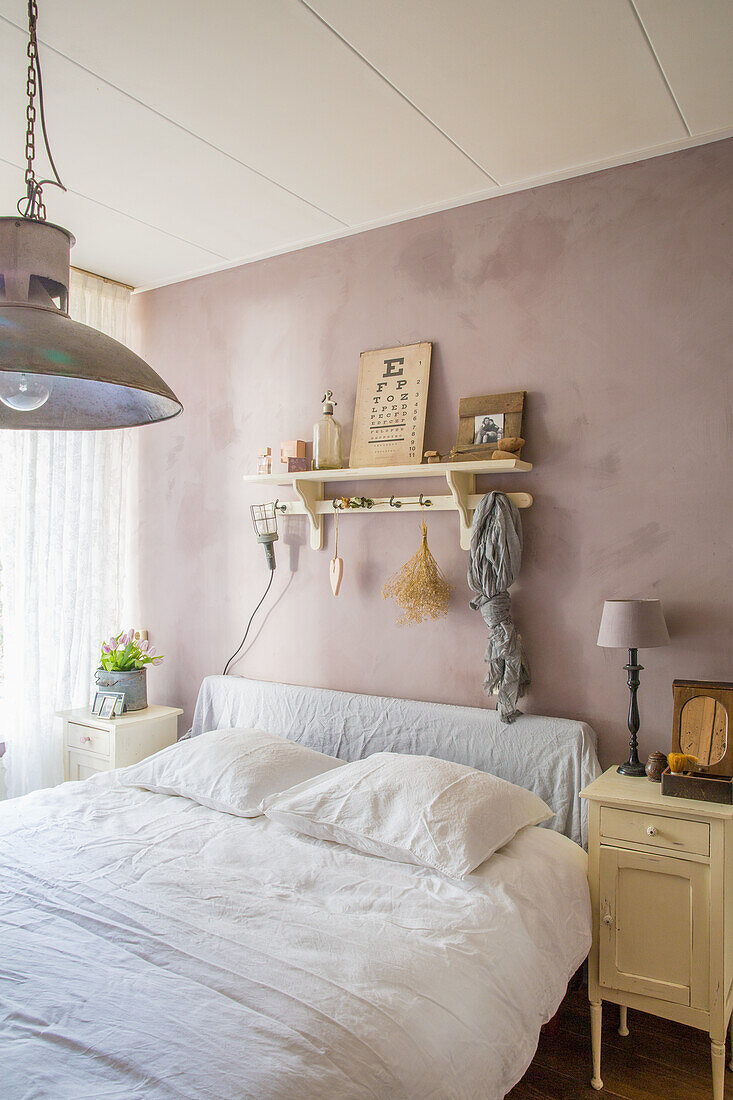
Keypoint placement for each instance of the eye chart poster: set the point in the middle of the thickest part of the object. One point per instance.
(391, 399)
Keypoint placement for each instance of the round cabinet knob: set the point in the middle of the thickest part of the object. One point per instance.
(84, 739)
(651, 830)
(608, 919)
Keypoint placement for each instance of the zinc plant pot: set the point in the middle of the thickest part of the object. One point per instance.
(133, 683)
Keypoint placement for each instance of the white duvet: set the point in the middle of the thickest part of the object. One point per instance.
(150, 947)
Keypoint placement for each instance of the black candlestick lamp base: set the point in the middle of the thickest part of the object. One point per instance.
(633, 765)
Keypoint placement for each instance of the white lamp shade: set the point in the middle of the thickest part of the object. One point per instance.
(632, 624)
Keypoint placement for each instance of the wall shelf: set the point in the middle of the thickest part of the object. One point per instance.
(460, 477)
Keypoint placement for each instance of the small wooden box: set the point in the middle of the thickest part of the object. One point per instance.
(702, 723)
(699, 785)
(292, 448)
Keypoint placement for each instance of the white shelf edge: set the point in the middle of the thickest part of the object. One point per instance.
(384, 473)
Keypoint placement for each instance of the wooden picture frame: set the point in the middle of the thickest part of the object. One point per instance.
(391, 402)
(474, 411)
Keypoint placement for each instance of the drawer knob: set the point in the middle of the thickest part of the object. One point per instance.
(84, 739)
(651, 830)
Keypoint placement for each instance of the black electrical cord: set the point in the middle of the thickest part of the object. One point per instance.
(249, 624)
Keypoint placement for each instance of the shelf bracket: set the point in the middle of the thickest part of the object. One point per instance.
(462, 485)
(309, 493)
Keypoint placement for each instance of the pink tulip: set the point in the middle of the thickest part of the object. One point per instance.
(105, 648)
(144, 647)
(112, 643)
(152, 651)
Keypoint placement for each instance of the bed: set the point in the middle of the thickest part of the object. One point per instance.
(156, 948)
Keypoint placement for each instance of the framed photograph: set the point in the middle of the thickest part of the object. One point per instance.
(483, 422)
(108, 704)
(488, 429)
(107, 707)
(391, 401)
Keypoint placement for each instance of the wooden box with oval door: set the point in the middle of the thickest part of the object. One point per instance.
(702, 716)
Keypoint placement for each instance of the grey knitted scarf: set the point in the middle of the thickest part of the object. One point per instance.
(494, 563)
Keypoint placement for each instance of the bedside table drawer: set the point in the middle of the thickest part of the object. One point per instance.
(673, 833)
(87, 738)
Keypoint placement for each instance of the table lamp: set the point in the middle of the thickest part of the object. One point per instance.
(633, 625)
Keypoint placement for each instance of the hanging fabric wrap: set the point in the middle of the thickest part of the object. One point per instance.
(494, 563)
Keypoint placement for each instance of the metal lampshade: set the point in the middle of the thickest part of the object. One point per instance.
(55, 373)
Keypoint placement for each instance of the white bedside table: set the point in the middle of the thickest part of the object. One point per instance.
(93, 744)
(661, 881)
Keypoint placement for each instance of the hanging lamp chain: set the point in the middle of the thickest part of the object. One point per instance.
(32, 204)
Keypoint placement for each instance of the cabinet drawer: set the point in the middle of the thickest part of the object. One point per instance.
(654, 831)
(87, 738)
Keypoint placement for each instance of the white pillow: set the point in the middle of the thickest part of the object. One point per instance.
(230, 770)
(411, 809)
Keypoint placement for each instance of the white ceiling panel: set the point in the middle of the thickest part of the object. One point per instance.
(268, 83)
(113, 148)
(108, 243)
(693, 40)
(528, 87)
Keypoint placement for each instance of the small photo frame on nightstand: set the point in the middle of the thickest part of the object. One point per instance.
(108, 704)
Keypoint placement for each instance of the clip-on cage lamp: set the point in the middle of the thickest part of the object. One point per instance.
(264, 521)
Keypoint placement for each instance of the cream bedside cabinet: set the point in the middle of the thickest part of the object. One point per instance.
(93, 744)
(660, 872)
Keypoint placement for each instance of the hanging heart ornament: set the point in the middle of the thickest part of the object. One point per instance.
(336, 571)
(336, 565)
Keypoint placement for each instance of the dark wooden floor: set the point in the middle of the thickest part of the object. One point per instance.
(659, 1060)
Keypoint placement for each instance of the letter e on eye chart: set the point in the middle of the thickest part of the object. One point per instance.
(391, 401)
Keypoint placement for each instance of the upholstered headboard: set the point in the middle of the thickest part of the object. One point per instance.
(554, 757)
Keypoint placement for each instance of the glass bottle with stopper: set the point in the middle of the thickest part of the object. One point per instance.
(327, 438)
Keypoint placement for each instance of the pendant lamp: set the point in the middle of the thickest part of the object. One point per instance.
(55, 373)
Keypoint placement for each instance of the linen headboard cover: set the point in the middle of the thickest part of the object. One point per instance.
(554, 757)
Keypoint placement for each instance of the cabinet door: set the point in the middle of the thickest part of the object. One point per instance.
(654, 926)
(80, 765)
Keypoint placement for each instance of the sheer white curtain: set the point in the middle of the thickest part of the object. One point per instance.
(62, 552)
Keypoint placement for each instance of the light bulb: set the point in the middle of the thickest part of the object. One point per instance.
(24, 392)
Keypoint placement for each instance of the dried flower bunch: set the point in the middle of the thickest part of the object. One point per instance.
(127, 652)
(419, 588)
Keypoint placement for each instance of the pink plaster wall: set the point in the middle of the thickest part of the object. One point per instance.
(608, 298)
